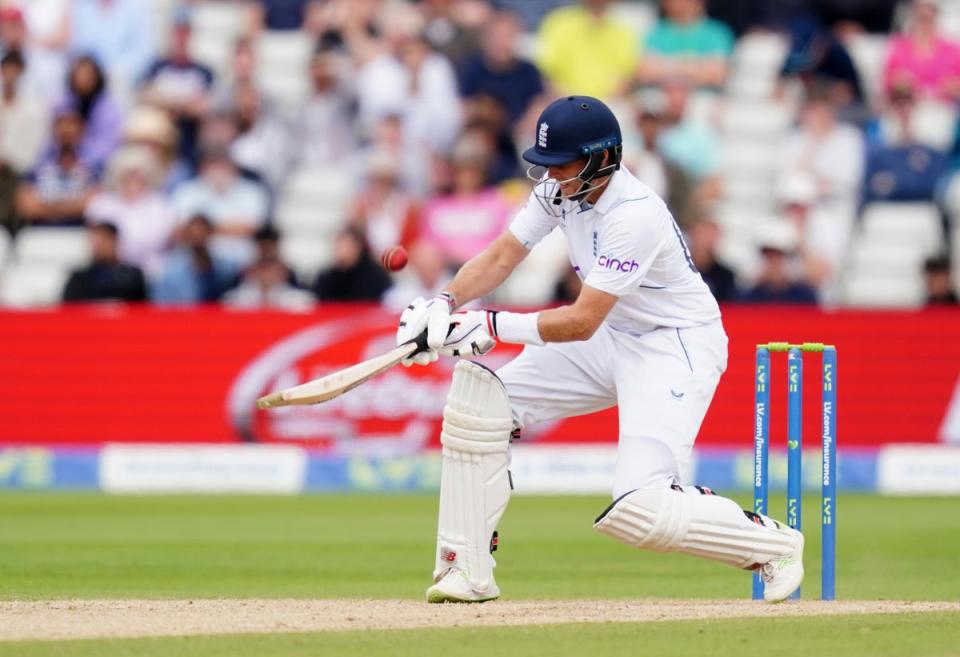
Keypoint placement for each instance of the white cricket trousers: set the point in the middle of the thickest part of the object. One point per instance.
(661, 382)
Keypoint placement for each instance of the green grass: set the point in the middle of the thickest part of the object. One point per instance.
(94, 546)
(908, 635)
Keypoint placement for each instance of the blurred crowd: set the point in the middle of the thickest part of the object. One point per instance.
(414, 114)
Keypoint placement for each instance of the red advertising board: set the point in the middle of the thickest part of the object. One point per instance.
(90, 375)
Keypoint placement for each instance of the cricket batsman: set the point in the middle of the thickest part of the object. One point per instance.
(644, 335)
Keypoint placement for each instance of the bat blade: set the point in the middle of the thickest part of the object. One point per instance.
(335, 384)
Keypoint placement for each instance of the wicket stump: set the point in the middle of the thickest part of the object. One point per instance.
(761, 445)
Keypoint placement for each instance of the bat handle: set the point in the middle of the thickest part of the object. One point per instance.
(421, 342)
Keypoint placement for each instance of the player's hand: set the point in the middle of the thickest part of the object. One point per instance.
(469, 334)
(430, 315)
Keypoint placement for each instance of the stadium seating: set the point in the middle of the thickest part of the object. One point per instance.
(885, 264)
(869, 52)
(306, 256)
(756, 66)
(934, 124)
(29, 285)
(282, 67)
(216, 26)
(60, 248)
(38, 265)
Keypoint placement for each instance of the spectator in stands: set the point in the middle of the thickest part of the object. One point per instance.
(263, 144)
(498, 71)
(822, 64)
(922, 59)
(58, 190)
(827, 151)
(325, 131)
(530, 12)
(686, 43)
(686, 141)
(103, 118)
(267, 241)
(48, 32)
(106, 278)
(235, 206)
(195, 271)
(820, 172)
(266, 284)
(463, 222)
(743, 16)
(585, 50)
(283, 15)
(117, 33)
(243, 69)
(23, 129)
(777, 283)
(349, 24)
(848, 17)
(893, 125)
(152, 128)
(180, 86)
(486, 117)
(668, 180)
(704, 237)
(354, 275)
(13, 31)
(416, 160)
(385, 213)
(939, 282)
(402, 75)
(133, 203)
(454, 28)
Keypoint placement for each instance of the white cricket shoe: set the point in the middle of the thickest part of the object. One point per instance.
(782, 576)
(454, 586)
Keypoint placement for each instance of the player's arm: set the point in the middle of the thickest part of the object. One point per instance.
(485, 272)
(579, 320)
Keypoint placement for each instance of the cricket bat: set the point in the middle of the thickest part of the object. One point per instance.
(335, 384)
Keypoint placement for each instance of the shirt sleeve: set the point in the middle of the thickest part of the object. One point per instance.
(532, 224)
(625, 252)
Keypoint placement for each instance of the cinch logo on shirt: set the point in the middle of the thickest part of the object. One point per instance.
(542, 135)
(619, 265)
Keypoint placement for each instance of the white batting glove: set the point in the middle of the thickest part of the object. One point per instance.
(432, 316)
(470, 333)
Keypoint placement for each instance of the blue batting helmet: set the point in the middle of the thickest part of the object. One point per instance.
(571, 128)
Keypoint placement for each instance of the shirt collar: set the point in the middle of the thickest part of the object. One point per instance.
(611, 192)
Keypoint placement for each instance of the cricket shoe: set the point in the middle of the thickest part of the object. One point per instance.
(454, 586)
(782, 576)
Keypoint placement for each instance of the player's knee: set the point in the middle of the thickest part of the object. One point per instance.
(643, 463)
(477, 417)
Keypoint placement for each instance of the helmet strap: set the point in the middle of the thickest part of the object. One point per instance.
(595, 168)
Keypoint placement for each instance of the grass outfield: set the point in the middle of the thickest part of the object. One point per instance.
(98, 547)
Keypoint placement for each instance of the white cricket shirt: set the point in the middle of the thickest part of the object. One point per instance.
(627, 244)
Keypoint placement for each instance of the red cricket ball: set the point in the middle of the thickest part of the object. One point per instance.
(394, 258)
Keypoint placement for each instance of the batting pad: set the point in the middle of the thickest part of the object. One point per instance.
(474, 484)
(704, 525)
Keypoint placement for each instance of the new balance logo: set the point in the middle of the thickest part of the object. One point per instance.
(542, 135)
